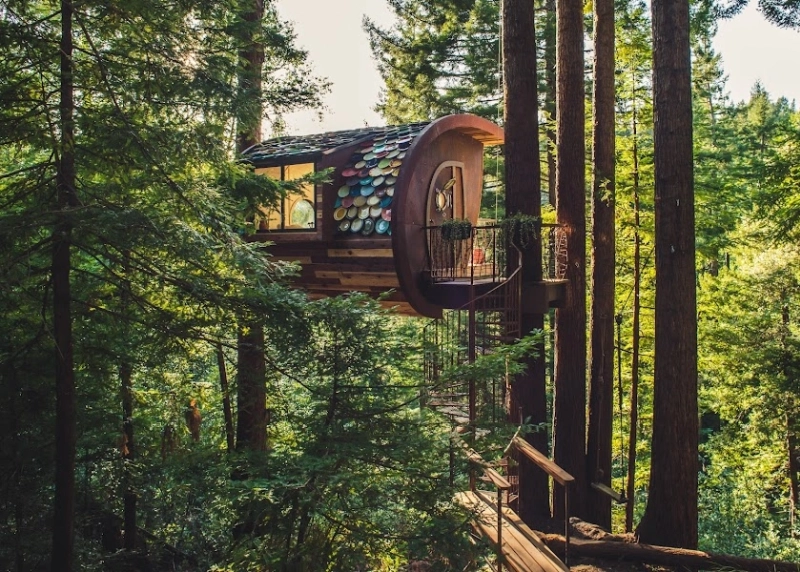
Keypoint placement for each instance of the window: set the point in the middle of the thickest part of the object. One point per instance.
(297, 211)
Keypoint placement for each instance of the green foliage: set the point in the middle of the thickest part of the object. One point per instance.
(520, 229)
(750, 382)
(357, 474)
(453, 229)
(440, 58)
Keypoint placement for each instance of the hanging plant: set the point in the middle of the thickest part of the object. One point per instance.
(456, 229)
(521, 230)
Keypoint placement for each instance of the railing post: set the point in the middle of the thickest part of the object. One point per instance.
(472, 391)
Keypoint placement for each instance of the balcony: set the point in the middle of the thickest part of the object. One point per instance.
(460, 270)
(482, 256)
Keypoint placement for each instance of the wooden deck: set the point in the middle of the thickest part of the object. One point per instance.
(522, 549)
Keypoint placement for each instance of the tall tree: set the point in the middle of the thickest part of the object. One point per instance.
(670, 517)
(98, 109)
(598, 451)
(523, 196)
(440, 57)
(251, 426)
(550, 94)
(63, 516)
(569, 410)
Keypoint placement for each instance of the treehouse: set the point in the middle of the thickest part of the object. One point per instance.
(391, 217)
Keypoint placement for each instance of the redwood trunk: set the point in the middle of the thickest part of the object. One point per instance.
(569, 411)
(550, 95)
(523, 195)
(251, 426)
(64, 499)
(599, 445)
(637, 305)
(670, 517)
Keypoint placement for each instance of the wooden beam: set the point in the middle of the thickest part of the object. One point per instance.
(360, 253)
(609, 492)
(665, 555)
(496, 478)
(548, 466)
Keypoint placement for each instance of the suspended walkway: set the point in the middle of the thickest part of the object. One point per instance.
(520, 547)
(474, 279)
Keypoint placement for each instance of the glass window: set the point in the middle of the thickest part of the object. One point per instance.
(302, 214)
(297, 211)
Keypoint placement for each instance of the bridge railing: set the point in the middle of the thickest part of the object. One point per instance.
(558, 475)
(502, 485)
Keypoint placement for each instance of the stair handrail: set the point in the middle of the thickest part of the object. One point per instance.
(558, 474)
(502, 485)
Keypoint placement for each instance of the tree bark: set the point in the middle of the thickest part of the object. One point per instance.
(664, 555)
(230, 436)
(637, 305)
(64, 498)
(670, 517)
(601, 395)
(251, 423)
(550, 95)
(793, 465)
(128, 455)
(794, 470)
(569, 411)
(523, 195)
(129, 496)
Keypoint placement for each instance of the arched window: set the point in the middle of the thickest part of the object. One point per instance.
(302, 214)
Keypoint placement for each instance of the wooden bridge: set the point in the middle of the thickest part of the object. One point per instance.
(518, 547)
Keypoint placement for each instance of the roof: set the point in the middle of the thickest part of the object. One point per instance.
(309, 148)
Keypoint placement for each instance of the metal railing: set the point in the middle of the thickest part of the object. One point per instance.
(482, 255)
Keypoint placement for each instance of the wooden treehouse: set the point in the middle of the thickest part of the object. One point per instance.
(380, 225)
(375, 226)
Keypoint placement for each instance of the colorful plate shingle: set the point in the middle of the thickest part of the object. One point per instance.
(377, 163)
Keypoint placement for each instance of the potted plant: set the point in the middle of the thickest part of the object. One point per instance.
(456, 229)
(521, 230)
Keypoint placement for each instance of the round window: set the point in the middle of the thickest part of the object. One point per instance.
(302, 214)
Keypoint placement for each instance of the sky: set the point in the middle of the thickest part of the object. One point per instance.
(332, 33)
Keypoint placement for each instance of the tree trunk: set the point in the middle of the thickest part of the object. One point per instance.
(670, 517)
(793, 464)
(637, 279)
(569, 411)
(230, 436)
(794, 470)
(523, 195)
(64, 501)
(598, 450)
(251, 423)
(128, 444)
(128, 452)
(664, 555)
(550, 95)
